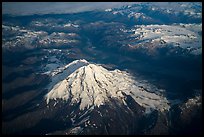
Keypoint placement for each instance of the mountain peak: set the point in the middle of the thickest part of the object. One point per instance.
(93, 85)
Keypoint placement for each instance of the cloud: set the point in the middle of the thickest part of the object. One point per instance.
(29, 8)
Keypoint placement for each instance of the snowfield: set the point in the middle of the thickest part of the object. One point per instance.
(92, 85)
(186, 36)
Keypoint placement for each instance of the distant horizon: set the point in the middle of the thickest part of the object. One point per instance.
(41, 8)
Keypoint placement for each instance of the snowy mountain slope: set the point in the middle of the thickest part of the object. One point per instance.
(60, 73)
(20, 38)
(161, 12)
(185, 36)
(93, 85)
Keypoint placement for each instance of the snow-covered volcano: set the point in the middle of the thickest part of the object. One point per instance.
(91, 85)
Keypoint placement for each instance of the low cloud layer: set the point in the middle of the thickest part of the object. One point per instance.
(29, 8)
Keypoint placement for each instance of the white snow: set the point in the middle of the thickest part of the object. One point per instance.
(183, 35)
(108, 10)
(193, 101)
(93, 85)
(70, 67)
(60, 73)
(70, 25)
(30, 39)
(76, 130)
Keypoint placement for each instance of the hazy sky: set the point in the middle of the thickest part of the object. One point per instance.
(27, 8)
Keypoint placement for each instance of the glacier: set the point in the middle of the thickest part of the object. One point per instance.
(93, 85)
